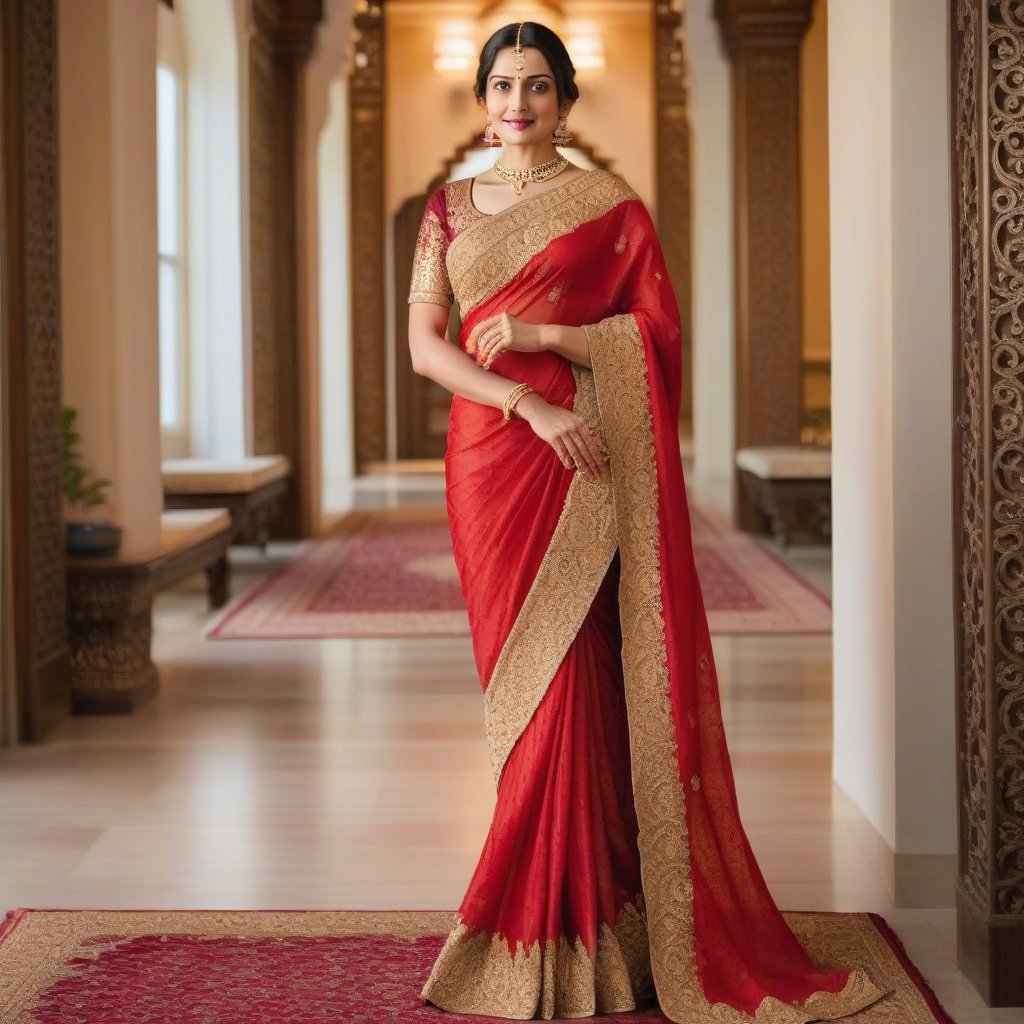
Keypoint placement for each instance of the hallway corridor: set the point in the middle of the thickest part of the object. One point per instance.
(348, 774)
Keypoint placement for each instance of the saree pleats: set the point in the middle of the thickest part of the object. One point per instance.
(553, 921)
(616, 863)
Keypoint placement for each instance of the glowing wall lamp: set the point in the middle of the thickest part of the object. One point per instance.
(454, 53)
(586, 49)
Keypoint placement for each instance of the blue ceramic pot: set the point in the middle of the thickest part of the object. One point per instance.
(92, 538)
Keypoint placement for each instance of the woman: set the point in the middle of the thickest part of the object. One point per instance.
(616, 867)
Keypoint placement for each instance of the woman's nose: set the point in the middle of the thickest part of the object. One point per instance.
(518, 100)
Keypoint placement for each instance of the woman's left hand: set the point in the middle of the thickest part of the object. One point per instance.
(500, 333)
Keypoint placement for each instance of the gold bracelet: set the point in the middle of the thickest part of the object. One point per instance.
(512, 397)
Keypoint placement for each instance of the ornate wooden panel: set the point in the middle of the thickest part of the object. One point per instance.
(32, 349)
(366, 146)
(672, 173)
(987, 62)
(763, 38)
(282, 38)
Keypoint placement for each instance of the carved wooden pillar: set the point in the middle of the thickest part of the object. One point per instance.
(366, 146)
(32, 351)
(672, 146)
(763, 39)
(987, 123)
(282, 38)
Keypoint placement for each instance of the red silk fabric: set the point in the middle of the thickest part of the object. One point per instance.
(561, 855)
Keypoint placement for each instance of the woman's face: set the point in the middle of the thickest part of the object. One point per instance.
(522, 106)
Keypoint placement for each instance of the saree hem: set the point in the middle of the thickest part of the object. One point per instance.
(477, 972)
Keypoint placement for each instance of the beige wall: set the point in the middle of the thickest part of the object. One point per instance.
(109, 251)
(714, 304)
(891, 401)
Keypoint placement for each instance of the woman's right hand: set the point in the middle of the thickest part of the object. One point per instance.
(576, 444)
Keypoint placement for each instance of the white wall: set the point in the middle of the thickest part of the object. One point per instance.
(325, 244)
(860, 97)
(922, 430)
(714, 365)
(891, 401)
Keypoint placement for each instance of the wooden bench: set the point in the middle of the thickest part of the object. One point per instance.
(110, 606)
(250, 488)
(790, 485)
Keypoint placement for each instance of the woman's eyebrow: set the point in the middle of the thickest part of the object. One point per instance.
(509, 77)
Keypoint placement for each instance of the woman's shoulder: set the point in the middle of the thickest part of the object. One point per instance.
(613, 183)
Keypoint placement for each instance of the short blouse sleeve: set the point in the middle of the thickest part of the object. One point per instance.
(429, 272)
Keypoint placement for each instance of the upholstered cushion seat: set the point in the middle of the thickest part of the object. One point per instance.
(229, 476)
(185, 527)
(781, 461)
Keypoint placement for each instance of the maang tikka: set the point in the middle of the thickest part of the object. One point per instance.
(518, 55)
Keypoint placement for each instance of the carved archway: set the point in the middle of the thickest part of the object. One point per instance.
(366, 153)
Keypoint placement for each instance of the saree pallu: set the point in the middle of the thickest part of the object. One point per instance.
(616, 867)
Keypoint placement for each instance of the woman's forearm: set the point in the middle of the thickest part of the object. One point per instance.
(570, 342)
(457, 372)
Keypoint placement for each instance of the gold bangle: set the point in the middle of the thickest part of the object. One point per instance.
(512, 397)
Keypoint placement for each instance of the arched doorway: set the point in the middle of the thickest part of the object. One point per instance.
(375, 315)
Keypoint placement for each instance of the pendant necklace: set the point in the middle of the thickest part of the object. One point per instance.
(518, 176)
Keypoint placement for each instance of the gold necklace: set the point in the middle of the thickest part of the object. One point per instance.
(518, 176)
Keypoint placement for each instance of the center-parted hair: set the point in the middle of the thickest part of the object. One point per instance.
(539, 36)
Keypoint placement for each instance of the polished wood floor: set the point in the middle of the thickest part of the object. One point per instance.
(354, 774)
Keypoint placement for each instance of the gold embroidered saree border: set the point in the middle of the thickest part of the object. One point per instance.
(488, 254)
(620, 373)
(476, 972)
(429, 281)
(570, 574)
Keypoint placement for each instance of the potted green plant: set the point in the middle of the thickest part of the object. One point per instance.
(84, 536)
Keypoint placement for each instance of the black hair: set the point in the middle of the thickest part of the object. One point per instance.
(536, 35)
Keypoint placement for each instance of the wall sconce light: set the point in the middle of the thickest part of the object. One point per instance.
(454, 53)
(586, 49)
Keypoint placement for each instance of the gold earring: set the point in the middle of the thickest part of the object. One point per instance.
(561, 136)
(489, 137)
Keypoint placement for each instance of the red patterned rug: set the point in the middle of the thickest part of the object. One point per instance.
(390, 572)
(318, 967)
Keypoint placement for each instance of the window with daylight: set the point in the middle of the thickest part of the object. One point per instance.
(171, 245)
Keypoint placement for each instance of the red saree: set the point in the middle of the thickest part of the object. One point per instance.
(616, 866)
